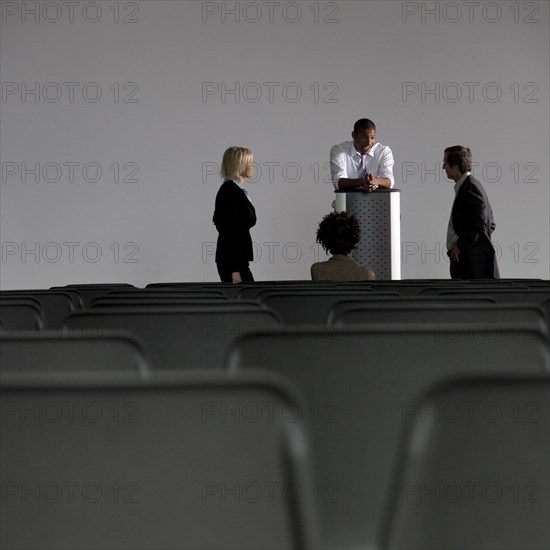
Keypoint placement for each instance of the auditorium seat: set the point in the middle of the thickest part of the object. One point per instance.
(55, 304)
(154, 301)
(180, 337)
(77, 353)
(356, 381)
(18, 314)
(166, 293)
(307, 306)
(250, 291)
(160, 295)
(91, 290)
(414, 287)
(441, 314)
(229, 289)
(342, 306)
(474, 469)
(506, 296)
(178, 462)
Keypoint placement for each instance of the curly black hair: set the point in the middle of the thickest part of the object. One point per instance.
(339, 233)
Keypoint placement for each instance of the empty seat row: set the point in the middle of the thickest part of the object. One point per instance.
(295, 301)
(409, 423)
(53, 305)
(359, 384)
(118, 465)
(192, 337)
(198, 462)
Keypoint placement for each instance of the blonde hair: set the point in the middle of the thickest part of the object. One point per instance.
(234, 162)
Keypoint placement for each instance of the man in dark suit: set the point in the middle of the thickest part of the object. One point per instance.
(471, 223)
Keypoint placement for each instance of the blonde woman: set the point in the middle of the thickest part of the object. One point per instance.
(234, 215)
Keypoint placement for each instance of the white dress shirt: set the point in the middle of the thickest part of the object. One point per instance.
(345, 160)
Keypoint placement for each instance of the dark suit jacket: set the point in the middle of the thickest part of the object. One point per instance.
(473, 223)
(234, 215)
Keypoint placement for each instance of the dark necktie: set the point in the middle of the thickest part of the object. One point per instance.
(361, 168)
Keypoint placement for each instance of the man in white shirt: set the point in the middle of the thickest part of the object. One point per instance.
(362, 163)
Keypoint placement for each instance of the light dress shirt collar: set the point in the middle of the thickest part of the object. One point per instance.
(452, 237)
(357, 155)
(460, 182)
(242, 188)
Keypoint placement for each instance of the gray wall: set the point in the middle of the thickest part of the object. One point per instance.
(115, 116)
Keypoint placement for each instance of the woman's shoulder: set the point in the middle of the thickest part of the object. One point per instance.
(318, 269)
(363, 272)
(226, 188)
(229, 187)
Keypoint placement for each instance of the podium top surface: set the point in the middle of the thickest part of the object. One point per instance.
(379, 190)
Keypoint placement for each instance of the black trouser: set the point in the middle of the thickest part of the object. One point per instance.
(225, 274)
(475, 264)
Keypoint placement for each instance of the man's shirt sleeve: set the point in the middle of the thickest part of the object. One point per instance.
(338, 165)
(385, 169)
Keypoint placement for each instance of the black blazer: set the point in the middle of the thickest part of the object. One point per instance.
(234, 215)
(473, 222)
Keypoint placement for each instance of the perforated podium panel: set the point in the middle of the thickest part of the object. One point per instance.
(379, 214)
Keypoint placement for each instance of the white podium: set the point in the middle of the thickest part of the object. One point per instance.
(379, 214)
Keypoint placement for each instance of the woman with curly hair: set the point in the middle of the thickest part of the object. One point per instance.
(339, 233)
